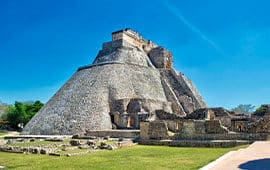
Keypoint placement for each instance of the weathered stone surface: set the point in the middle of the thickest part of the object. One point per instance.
(189, 127)
(162, 115)
(214, 126)
(181, 92)
(161, 58)
(79, 107)
(261, 125)
(156, 130)
(144, 134)
(221, 114)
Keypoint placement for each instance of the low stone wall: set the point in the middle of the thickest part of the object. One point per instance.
(38, 136)
(214, 126)
(115, 133)
(195, 143)
(33, 150)
(228, 136)
(154, 130)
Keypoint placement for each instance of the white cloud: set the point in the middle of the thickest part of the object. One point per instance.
(176, 12)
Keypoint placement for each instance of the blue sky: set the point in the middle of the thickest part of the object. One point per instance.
(223, 46)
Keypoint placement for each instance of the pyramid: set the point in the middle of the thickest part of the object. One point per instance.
(129, 80)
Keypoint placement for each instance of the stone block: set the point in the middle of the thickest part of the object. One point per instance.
(144, 130)
(200, 126)
(158, 130)
(188, 127)
(161, 58)
(214, 126)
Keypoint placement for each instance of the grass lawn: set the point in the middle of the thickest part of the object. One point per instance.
(137, 157)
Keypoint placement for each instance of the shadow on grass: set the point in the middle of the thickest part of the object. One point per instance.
(260, 164)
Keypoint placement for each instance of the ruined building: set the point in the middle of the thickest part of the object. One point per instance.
(130, 79)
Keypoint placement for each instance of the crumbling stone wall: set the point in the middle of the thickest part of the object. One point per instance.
(154, 130)
(239, 125)
(128, 113)
(159, 129)
(188, 127)
(144, 130)
(214, 126)
(183, 92)
(212, 114)
(133, 38)
(261, 125)
(161, 58)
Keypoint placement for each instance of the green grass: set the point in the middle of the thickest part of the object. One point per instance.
(74, 151)
(137, 157)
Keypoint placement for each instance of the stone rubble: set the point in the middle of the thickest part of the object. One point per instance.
(84, 146)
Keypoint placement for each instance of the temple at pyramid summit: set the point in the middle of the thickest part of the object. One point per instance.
(130, 81)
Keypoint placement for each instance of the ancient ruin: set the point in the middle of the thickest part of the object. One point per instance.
(130, 79)
(133, 91)
(214, 127)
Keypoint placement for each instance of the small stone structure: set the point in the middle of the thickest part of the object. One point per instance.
(205, 125)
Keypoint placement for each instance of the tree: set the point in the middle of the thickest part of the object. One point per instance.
(244, 109)
(32, 109)
(260, 111)
(22, 113)
(16, 114)
(3, 115)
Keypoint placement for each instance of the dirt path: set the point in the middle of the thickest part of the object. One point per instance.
(256, 156)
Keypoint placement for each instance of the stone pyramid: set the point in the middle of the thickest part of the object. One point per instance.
(129, 80)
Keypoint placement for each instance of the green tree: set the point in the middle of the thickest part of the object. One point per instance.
(32, 109)
(244, 109)
(22, 113)
(260, 111)
(16, 114)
